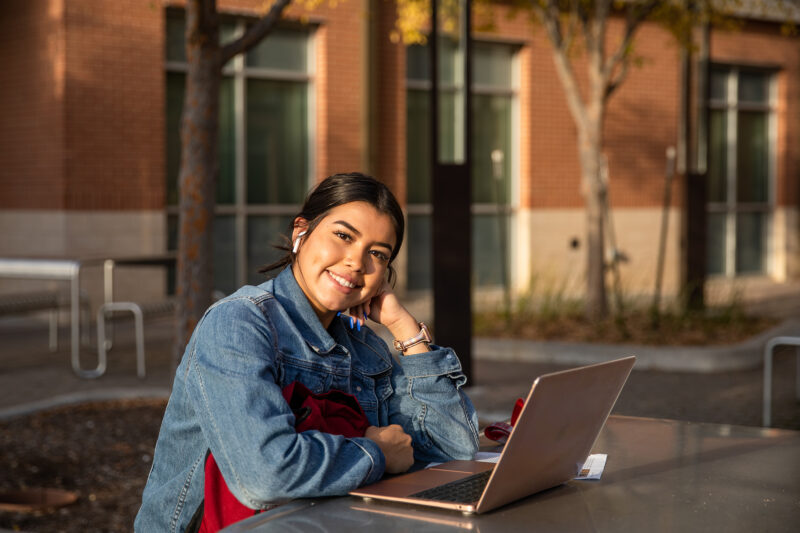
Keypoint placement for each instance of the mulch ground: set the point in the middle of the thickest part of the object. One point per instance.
(102, 451)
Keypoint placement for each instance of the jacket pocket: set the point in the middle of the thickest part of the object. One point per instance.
(372, 393)
(315, 378)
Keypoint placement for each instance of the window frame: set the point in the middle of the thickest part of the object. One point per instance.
(731, 207)
(509, 208)
(240, 72)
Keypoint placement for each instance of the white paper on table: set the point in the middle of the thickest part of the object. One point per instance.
(592, 467)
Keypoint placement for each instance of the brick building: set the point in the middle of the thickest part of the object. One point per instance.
(91, 94)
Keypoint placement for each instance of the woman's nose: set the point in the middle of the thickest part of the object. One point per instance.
(355, 259)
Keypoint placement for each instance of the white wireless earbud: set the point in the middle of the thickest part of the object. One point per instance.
(297, 242)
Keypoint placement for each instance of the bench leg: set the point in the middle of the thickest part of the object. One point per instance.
(86, 321)
(770, 347)
(139, 324)
(102, 346)
(54, 330)
(766, 414)
(797, 377)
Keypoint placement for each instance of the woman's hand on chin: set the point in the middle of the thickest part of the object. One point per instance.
(384, 308)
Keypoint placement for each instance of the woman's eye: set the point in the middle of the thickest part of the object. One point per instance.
(380, 255)
(342, 235)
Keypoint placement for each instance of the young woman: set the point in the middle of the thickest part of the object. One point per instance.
(307, 325)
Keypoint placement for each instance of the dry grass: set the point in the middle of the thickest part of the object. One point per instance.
(721, 326)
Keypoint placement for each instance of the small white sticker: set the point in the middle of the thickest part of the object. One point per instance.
(592, 467)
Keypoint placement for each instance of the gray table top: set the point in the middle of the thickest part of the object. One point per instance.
(661, 475)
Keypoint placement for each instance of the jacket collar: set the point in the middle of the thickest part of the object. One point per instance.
(294, 302)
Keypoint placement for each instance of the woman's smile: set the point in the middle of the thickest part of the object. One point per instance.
(342, 281)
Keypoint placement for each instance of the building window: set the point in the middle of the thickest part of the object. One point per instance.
(741, 170)
(265, 145)
(493, 155)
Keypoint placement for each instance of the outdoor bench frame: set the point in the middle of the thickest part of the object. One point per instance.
(768, 355)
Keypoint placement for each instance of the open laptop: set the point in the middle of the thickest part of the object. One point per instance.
(562, 417)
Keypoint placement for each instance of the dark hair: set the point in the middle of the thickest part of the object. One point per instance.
(337, 190)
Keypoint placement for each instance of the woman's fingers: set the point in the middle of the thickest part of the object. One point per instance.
(356, 317)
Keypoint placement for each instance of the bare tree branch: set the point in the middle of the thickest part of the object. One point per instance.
(597, 50)
(636, 14)
(601, 11)
(256, 32)
(550, 16)
(573, 24)
(583, 15)
(617, 80)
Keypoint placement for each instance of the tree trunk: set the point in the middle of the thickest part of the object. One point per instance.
(589, 115)
(198, 174)
(590, 141)
(593, 193)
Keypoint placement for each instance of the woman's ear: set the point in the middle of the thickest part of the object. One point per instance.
(300, 226)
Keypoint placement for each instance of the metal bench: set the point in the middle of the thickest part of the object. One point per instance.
(139, 312)
(61, 270)
(21, 303)
(768, 354)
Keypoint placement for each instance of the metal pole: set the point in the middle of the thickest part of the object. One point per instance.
(108, 297)
(451, 197)
(75, 317)
(662, 241)
(498, 158)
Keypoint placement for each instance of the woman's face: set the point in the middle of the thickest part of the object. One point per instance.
(343, 262)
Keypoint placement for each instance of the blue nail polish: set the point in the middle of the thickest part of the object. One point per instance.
(359, 325)
(351, 322)
(338, 313)
(365, 316)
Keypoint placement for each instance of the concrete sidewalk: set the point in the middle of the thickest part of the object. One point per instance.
(721, 384)
(745, 355)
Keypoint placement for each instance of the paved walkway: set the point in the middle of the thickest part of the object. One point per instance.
(717, 384)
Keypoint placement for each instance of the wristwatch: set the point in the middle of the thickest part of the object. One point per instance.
(423, 336)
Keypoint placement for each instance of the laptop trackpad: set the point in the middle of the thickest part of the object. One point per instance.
(407, 484)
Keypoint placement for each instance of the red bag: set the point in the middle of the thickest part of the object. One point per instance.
(334, 412)
(499, 431)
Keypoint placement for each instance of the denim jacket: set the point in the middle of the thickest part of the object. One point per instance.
(226, 398)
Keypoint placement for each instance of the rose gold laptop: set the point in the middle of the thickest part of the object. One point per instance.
(555, 432)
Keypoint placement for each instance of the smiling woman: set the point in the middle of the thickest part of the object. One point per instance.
(343, 264)
(232, 417)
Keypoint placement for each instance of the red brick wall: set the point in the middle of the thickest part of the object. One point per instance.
(643, 121)
(549, 166)
(341, 89)
(82, 97)
(114, 105)
(31, 104)
(642, 116)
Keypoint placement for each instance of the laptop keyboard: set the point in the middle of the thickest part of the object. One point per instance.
(465, 490)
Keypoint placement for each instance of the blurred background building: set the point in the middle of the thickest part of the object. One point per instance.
(91, 95)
